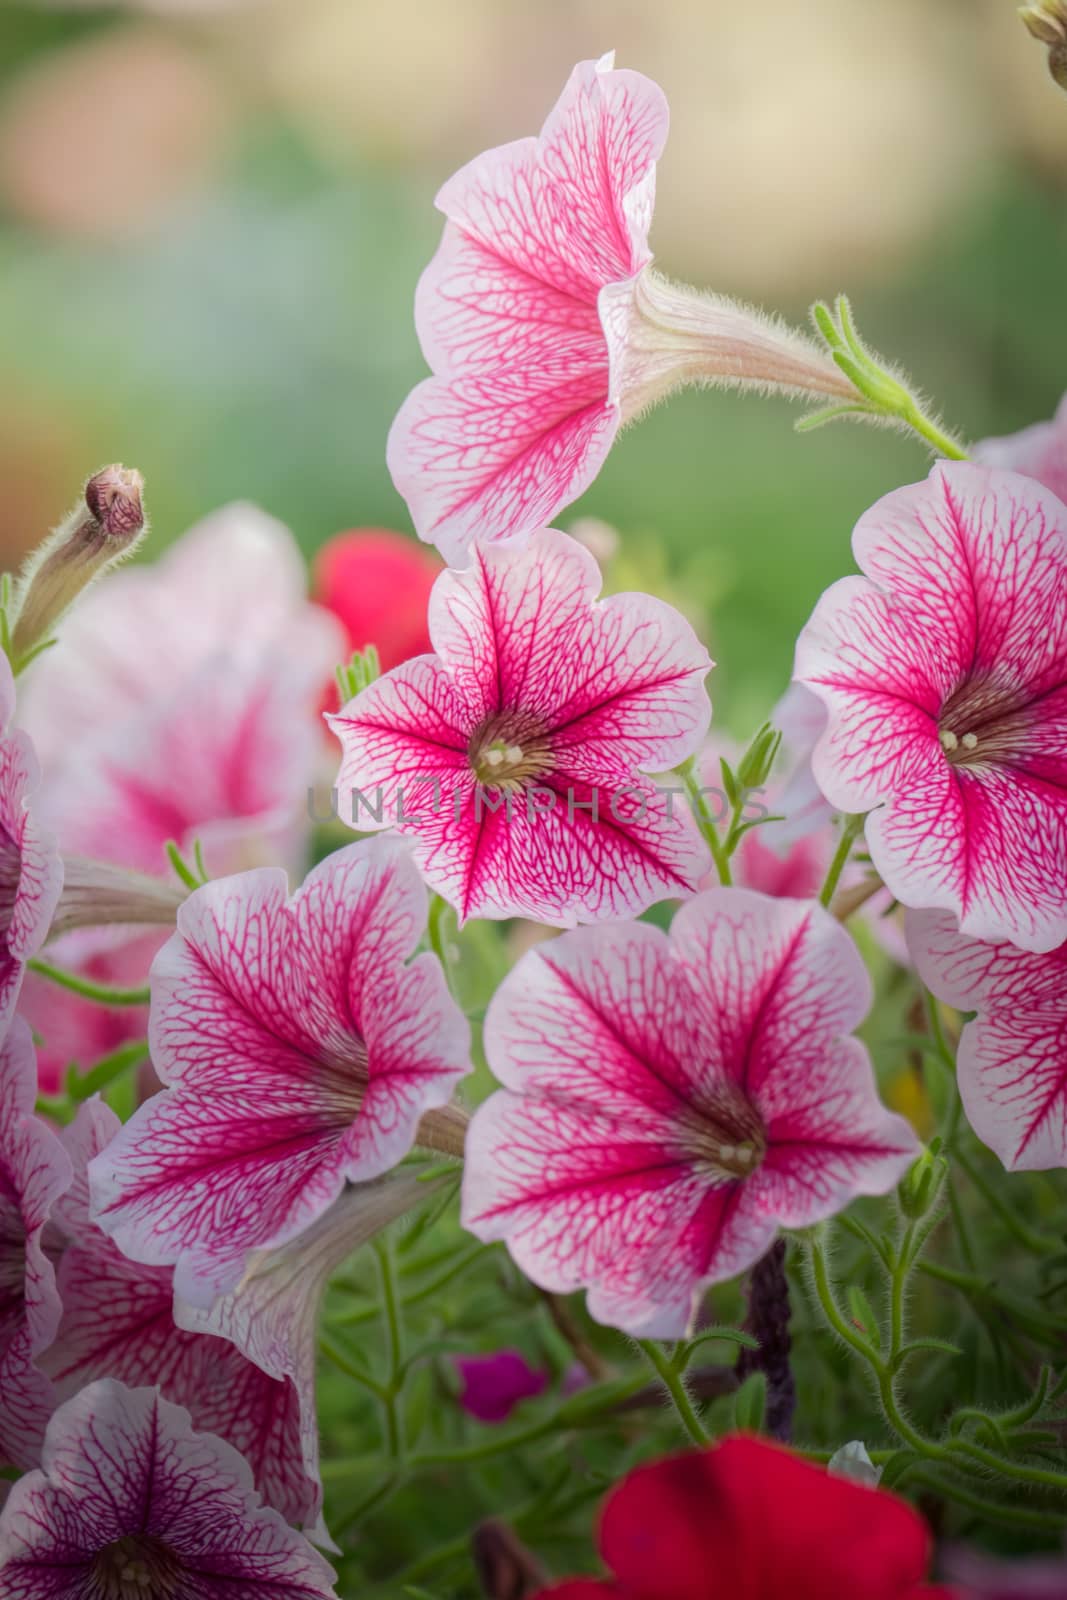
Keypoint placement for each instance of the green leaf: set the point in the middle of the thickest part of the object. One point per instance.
(750, 1403)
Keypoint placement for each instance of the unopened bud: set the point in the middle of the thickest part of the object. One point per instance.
(922, 1182)
(1047, 21)
(756, 764)
(103, 528)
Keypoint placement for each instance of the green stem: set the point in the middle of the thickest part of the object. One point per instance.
(394, 1346)
(705, 821)
(439, 909)
(483, 1451)
(99, 992)
(672, 1382)
(851, 828)
(1019, 1471)
(107, 1070)
(1011, 1516)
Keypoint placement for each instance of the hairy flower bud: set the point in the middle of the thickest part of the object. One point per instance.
(1047, 21)
(103, 528)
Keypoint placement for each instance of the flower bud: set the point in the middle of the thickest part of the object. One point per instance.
(105, 527)
(922, 1182)
(756, 764)
(1047, 21)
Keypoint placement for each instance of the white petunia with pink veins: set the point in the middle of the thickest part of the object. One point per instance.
(517, 758)
(546, 328)
(301, 1045)
(1011, 1064)
(671, 1100)
(130, 1500)
(944, 673)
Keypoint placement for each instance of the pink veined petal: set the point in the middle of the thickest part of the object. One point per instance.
(122, 1462)
(980, 557)
(829, 1138)
(300, 1051)
(775, 980)
(1012, 1057)
(31, 872)
(583, 1197)
(34, 1172)
(119, 1322)
(990, 846)
(271, 1318)
(616, 681)
(492, 456)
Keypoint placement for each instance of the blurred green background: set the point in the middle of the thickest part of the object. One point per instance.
(213, 217)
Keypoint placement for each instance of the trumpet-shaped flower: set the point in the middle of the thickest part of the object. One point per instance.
(1039, 451)
(300, 1048)
(546, 329)
(270, 1321)
(671, 1100)
(119, 1322)
(34, 1172)
(944, 672)
(1012, 1058)
(31, 873)
(131, 1501)
(515, 757)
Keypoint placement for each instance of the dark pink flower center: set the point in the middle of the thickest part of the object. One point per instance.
(136, 1567)
(983, 722)
(10, 878)
(510, 749)
(725, 1133)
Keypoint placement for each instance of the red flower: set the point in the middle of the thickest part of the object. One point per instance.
(378, 584)
(746, 1520)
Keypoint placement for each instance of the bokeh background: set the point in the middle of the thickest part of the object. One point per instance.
(213, 216)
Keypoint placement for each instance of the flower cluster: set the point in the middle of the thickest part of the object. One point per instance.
(678, 1077)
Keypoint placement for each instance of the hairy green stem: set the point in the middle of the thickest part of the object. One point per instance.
(672, 1382)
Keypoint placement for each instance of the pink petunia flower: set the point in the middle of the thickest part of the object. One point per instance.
(34, 1172)
(494, 1384)
(300, 1046)
(31, 873)
(671, 1100)
(944, 671)
(1039, 451)
(119, 1322)
(1012, 1058)
(546, 328)
(129, 1500)
(515, 757)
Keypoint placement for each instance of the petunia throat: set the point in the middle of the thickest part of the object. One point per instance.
(510, 749)
(136, 1567)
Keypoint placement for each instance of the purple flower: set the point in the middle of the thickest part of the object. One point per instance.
(493, 1385)
(130, 1501)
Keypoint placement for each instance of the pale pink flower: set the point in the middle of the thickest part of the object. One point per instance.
(546, 328)
(34, 1172)
(944, 671)
(119, 1322)
(515, 758)
(672, 1100)
(129, 1500)
(1012, 1060)
(300, 1047)
(31, 873)
(181, 702)
(1039, 451)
